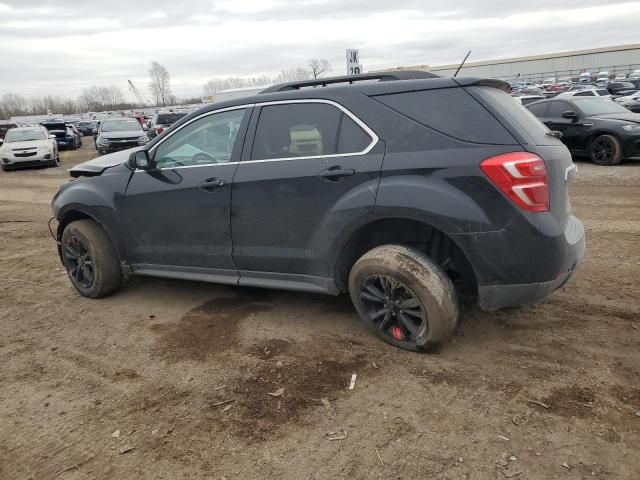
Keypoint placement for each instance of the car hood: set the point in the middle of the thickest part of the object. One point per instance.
(123, 134)
(27, 144)
(96, 167)
(622, 117)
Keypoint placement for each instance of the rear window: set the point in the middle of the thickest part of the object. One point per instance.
(525, 123)
(451, 111)
(169, 118)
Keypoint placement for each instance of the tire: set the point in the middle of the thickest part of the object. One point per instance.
(605, 150)
(411, 284)
(86, 238)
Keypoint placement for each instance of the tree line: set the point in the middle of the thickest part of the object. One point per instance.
(99, 98)
(315, 69)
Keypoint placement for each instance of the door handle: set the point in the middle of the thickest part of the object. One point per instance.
(211, 184)
(333, 174)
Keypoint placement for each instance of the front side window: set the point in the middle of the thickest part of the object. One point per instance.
(296, 130)
(206, 141)
(558, 108)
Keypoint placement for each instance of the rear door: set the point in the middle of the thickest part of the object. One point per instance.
(177, 215)
(309, 167)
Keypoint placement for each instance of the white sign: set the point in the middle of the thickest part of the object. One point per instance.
(353, 62)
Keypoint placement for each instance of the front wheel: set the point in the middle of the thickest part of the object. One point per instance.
(404, 297)
(90, 259)
(605, 150)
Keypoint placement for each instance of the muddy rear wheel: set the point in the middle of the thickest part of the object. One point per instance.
(404, 297)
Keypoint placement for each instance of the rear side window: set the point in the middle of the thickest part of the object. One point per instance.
(538, 109)
(296, 130)
(525, 123)
(585, 93)
(603, 92)
(352, 138)
(451, 111)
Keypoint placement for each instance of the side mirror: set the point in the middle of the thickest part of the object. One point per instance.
(145, 127)
(94, 131)
(570, 114)
(52, 137)
(139, 160)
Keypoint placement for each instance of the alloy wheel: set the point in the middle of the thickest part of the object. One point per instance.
(603, 150)
(393, 308)
(79, 262)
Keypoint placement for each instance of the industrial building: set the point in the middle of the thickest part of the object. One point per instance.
(615, 60)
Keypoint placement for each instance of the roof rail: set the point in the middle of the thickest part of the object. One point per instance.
(350, 79)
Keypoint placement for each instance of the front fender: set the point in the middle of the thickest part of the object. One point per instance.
(100, 198)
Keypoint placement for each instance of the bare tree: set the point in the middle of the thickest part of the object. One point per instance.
(159, 83)
(114, 95)
(14, 104)
(318, 66)
(293, 75)
(218, 84)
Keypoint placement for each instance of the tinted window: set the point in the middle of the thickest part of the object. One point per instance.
(603, 92)
(514, 114)
(352, 139)
(296, 130)
(538, 109)
(586, 93)
(558, 108)
(451, 111)
(169, 118)
(209, 140)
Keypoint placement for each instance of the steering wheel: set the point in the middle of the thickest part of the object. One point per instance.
(169, 162)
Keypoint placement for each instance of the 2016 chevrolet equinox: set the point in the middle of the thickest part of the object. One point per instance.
(406, 190)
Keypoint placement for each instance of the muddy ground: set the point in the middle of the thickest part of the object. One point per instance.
(130, 386)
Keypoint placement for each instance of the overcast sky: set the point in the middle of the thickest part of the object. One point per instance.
(59, 46)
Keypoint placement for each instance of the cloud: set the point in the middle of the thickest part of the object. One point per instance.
(62, 46)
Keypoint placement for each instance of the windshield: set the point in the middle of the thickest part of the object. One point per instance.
(169, 118)
(599, 106)
(120, 125)
(24, 135)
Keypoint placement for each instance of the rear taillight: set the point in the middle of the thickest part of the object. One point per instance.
(522, 177)
(159, 130)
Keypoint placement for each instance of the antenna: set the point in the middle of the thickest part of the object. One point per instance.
(465, 59)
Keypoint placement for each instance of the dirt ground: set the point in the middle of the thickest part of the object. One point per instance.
(131, 386)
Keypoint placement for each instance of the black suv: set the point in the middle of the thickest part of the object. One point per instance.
(406, 190)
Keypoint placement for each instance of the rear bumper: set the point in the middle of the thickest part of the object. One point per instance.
(520, 266)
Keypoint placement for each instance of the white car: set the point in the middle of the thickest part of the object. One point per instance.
(620, 77)
(28, 146)
(602, 77)
(627, 100)
(635, 75)
(592, 92)
(584, 77)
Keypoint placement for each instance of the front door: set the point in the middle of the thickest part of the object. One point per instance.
(177, 214)
(312, 167)
(571, 128)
